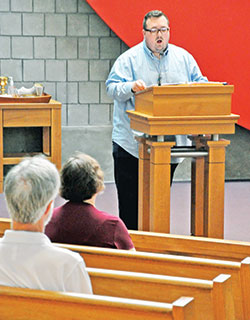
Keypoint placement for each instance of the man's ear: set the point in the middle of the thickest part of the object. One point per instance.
(143, 33)
(48, 208)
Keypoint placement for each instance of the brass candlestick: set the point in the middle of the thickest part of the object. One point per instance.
(3, 83)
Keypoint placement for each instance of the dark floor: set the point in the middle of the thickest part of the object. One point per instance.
(237, 208)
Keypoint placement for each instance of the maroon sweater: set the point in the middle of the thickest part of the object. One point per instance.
(82, 223)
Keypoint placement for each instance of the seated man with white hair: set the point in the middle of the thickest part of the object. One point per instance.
(28, 259)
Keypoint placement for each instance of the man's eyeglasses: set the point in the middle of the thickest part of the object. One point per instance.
(156, 30)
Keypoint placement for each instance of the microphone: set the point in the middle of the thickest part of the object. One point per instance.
(159, 77)
(159, 80)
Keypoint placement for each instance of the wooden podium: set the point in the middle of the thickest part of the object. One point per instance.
(45, 115)
(202, 111)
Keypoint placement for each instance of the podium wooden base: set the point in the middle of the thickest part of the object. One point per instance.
(207, 188)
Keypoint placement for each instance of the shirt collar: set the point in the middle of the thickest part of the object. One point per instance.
(27, 237)
(150, 53)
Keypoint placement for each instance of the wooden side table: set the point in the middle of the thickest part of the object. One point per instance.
(45, 115)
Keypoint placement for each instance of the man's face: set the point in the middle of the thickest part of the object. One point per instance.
(157, 41)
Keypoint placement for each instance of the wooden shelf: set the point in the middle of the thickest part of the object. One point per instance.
(45, 115)
(14, 158)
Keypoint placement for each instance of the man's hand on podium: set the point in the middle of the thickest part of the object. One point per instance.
(138, 85)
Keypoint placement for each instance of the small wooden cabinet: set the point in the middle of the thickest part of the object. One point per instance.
(44, 115)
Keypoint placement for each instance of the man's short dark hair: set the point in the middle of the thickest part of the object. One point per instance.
(153, 14)
(81, 178)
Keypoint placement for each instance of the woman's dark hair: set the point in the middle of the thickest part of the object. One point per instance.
(81, 178)
(153, 14)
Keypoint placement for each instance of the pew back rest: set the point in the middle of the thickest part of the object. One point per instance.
(208, 295)
(171, 265)
(191, 246)
(5, 224)
(178, 244)
(29, 304)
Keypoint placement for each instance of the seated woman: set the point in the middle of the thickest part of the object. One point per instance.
(78, 221)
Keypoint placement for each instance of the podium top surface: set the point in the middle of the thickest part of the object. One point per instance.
(189, 88)
(195, 99)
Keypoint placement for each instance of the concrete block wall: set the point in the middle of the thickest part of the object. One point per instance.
(67, 47)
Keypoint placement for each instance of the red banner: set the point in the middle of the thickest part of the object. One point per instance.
(216, 33)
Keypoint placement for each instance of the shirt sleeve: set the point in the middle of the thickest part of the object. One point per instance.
(122, 238)
(120, 80)
(78, 280)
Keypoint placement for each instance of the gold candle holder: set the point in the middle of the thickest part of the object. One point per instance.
(3, 83)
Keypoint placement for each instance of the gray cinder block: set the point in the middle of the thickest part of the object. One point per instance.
(77, 70)
(99, 70)
(56, 70)
(44, 48)
(21, 5)
(89, 92)
(110, 48)
(44, 6)
(10, 24)
(5, 47)
(77, 25)
(22, 47)
(33, 70)
(88, 48)
(33, 24)
(66, 48)
(12, 68)
(99, 114)
(66, 6)
(78, 114)
(97, 27)
(55, 24)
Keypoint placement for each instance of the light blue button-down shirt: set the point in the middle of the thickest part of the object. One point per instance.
(175, 66)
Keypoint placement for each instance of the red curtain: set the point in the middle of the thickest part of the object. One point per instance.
(216, 33)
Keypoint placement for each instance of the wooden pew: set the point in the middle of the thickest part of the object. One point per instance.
(171, 265)
(177, 244)
(4, 225)
(151, 263)
(189, 245)
(212, 299)
(29, 304)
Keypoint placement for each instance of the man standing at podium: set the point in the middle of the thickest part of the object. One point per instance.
(152, 62)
